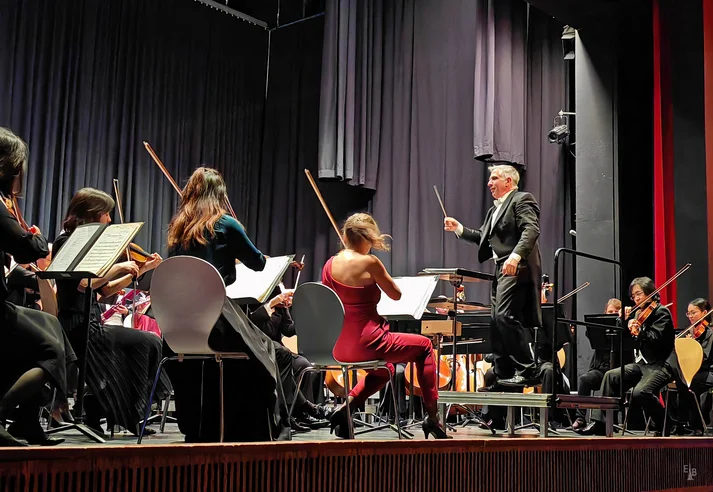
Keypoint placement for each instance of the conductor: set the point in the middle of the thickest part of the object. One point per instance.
(509, 236)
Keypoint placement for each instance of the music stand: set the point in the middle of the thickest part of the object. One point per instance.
(78, 423)
(604, 338)
(456, 277)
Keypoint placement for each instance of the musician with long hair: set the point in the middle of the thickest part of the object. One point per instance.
(699, 312)
(357, 276)
(120, 361)
(33, 351)
(202, 228)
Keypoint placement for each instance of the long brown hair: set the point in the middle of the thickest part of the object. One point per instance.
(13, 161)
(87, 206)
(202, 205)
(362, 227)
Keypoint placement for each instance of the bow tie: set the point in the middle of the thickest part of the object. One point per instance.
(499, 201)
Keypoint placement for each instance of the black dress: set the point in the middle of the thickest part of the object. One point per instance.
(251, 411)
(30, 338)
(121, 362)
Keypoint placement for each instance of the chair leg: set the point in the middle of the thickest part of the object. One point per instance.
(222, 409)
(166, 405)
(299, 386)
(665, 415)
(148, 404)
(347, 389)
(700, 413)
(396, 403)
(54, 399)
(626, 420)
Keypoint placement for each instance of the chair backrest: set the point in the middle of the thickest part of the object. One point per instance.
(690, 357)
(187, 296)
(318, 314)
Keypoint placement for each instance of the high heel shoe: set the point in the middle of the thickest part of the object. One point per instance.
(339, 423)
(431, 426)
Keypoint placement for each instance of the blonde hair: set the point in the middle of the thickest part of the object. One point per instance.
(362, 227)
(505, 171)
(613, 302)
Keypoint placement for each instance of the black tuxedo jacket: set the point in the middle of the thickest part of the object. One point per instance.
(516, 230)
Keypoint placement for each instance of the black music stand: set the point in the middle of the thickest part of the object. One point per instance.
(601, 338)
(78, 423)
(456, 277)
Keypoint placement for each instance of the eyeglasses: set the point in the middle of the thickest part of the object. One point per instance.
(635, 295)
(691, 314)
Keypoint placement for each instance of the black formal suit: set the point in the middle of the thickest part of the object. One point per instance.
(515, 299)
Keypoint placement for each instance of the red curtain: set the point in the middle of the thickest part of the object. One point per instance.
(708, 98)
(664, 225)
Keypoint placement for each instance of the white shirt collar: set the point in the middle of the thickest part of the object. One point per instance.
(501, 200)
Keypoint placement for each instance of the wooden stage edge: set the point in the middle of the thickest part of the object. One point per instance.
(618, 464)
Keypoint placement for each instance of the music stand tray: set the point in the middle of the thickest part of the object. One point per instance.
(605, 338)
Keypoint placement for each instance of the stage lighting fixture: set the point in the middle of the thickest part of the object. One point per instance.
(560, 128)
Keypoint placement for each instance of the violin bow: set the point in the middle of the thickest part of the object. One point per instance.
(165, 172)
(120, 209)
(324, 206)
(575, 291)
(660, 288)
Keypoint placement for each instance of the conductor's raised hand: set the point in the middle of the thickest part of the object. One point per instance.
(450, 224)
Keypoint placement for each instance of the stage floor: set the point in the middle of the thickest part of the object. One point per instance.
(316, 461)
(172, 436)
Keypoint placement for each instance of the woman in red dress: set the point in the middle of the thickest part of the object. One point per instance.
(356, 276)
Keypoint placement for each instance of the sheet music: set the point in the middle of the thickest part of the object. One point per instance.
(72, 247)
(253, 286)
(415, 294)
(108, 247)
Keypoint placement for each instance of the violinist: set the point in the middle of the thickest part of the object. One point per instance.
(202, 228)
(703, 380)
(33, 351)
(119, 360)
(652, 326)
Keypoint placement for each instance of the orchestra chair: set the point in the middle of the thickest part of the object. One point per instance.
(186, 326)
(318, 314)
(690, 358)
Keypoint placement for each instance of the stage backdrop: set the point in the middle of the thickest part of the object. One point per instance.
(412, 90)
(85, 82)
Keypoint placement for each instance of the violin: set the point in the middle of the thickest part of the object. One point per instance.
(14, 209)
(697, 328)
(643, 314)
(137, 254)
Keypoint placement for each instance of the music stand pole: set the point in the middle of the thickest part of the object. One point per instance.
(78, 423)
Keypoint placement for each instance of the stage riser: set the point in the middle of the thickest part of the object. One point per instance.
(638, 465)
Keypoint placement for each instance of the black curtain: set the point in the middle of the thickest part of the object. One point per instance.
(85, 82)
(398, 112)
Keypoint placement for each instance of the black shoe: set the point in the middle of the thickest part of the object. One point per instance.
(519, 381)
(319, 412)
(297, 427)
(431, 426)
(593, 428)
(33, 434)
(312, 422)
(338, 423)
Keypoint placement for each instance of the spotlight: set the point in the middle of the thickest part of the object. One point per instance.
(560, 128)
(558, 134)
